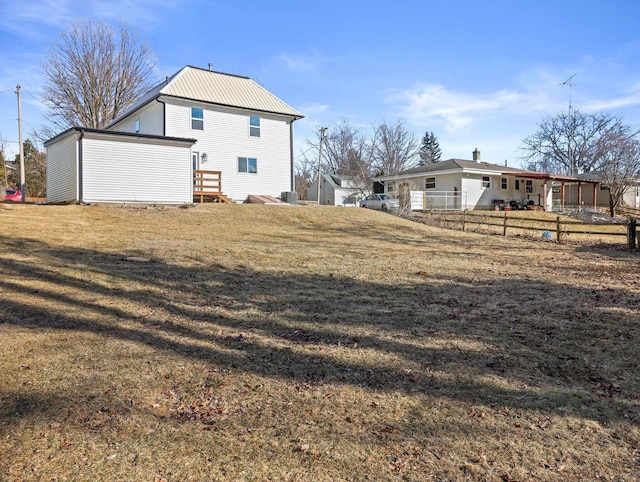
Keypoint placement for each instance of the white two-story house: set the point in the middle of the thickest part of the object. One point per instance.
(227, 132)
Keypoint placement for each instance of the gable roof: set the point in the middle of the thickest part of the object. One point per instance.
(208, 86)
(451, 165)
(339, 181)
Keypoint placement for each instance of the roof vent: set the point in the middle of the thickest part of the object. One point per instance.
(476, 155)
(210, 66)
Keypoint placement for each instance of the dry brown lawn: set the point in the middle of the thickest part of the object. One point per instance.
(309, 343)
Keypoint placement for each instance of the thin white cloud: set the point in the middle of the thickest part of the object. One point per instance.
(27, 19)
(429, 104)
(314, 108)
(627, 99)
(300, 63)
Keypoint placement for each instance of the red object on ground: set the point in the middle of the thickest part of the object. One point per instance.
(13, 195)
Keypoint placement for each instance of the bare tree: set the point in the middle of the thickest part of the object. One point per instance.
(93, 74)
(569, 142)
(620, 166)
(305, 173)
(346, 151)
(394, 148)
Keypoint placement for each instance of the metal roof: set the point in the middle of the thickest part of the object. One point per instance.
(106, 132)
(218, 88)
(453, 165)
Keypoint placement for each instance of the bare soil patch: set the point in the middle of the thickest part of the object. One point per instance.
(247, 342)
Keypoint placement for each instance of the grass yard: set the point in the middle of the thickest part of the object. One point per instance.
(249, 342)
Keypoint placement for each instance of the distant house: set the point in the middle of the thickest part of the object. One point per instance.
(335, 190)
(198, 132)
(474, 184)
(630, 198)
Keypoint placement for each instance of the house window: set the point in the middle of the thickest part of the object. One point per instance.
(517, 184)
(529, 186)
(430, 183)
(391, 186)
(504, 183)
(254, 126)
(136, 125)
(248, 165)
(486, 182)
(197, 118)
(604, 187)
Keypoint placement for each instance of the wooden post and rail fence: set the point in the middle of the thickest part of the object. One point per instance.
(557, 228)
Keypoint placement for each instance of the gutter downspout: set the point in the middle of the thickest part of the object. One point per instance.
(293, 176)
(80, 166)
(164, 115)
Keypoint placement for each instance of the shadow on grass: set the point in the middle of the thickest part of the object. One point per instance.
(518, 343)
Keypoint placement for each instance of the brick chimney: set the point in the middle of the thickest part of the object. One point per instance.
(476, 155)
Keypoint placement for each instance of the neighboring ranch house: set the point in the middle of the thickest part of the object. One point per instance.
(630, 198)
(459, 184)
(200, 131)
(335, 190)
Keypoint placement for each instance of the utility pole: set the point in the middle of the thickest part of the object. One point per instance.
(323, 131)
(22, 175)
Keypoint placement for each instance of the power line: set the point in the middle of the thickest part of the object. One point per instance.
(303, 153)
(36, 98)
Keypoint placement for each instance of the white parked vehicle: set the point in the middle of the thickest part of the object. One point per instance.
(383, 202)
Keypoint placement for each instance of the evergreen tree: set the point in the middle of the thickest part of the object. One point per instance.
(35, 164)
(430, 151)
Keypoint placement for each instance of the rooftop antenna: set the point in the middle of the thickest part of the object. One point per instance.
(569, 82)
(573, 168)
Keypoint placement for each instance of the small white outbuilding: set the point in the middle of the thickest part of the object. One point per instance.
(93, 165)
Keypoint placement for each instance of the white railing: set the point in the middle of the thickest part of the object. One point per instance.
(438, 200)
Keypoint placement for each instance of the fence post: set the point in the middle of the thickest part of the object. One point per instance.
(504, 225)
(464, 220)
(632, 228)
(558, 229)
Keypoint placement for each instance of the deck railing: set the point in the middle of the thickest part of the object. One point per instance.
(207, 183)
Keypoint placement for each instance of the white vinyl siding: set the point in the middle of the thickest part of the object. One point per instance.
(131, 170)
(224, 139)
(62, 170)
(150, 117)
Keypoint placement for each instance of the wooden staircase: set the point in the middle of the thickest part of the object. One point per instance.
(208, 185)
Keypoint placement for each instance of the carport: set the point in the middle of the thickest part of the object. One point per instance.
(564, 182)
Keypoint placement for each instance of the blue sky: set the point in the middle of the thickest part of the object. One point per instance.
(476, 73)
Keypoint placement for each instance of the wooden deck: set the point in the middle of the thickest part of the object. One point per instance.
(208, 185)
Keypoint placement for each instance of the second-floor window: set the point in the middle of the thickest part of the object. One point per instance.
(254, 126)
(197, 118)
(486, 182)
